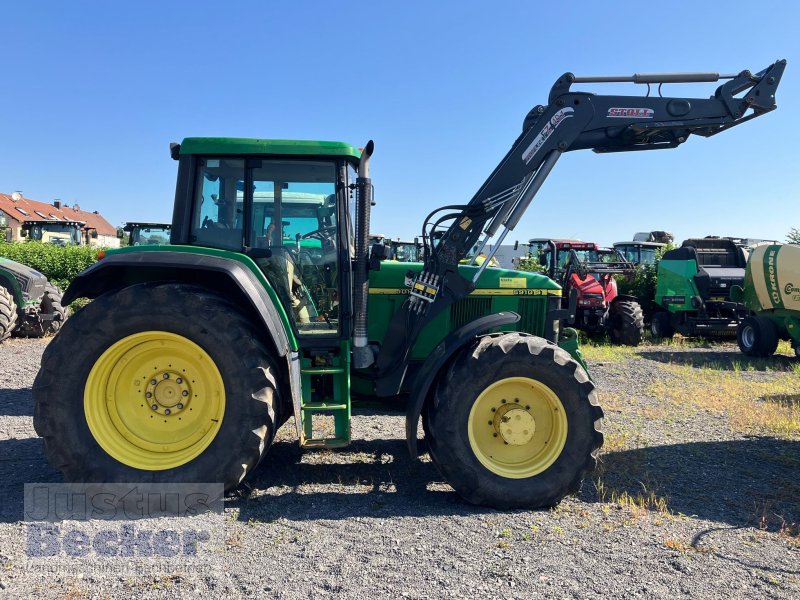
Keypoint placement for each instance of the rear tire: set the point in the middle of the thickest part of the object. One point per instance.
(51, 305)
(196, 334)
(8, 313)
(626, 322)
(554, 446)
(757, 336)
(661, 325)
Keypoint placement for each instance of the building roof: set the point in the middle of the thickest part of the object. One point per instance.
(26, 209)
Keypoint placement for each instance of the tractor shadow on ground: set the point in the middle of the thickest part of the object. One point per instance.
(21, 461)
(369, 478)
(747, 482)
(721, 360)
(16, 402)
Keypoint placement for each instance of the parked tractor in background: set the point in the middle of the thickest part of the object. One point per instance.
(30, 306)
(693, 292)
(771, 294)
(146, 233)
(396, 249)
(60, 233)
(643, 250)
(590, 271)
(192, 355)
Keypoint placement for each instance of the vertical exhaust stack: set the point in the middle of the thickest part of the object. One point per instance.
(362, 355)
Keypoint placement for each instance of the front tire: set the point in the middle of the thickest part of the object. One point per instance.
(514, 423)
(157, 383)
(8, 313)
(661, 325)
(757, 336)
(626, 322)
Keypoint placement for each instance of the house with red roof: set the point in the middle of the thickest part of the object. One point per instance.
(56, 222)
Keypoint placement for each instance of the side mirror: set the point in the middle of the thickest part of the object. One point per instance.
(516, 245)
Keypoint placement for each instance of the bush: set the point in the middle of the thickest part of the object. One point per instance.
(643, 284)
(60, 264)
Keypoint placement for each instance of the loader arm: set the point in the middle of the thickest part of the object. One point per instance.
(571, 120)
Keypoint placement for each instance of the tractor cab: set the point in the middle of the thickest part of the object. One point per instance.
(289, 215)
(57, 232)
(143, 234)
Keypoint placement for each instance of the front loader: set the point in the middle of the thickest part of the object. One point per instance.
(268, 305)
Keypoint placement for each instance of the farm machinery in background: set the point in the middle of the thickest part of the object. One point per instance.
(586, 272)
(30, 306)
(146, 233)
(192, 355)
(771, 294)
(55, 231)
(643, 249)
(401, 251)
(693, 292)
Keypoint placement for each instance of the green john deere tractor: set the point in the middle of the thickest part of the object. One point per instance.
(268, 305)
(30, 306)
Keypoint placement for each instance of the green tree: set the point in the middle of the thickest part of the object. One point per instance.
(793, 237)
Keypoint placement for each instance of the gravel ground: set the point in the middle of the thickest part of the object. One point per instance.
(683, 505)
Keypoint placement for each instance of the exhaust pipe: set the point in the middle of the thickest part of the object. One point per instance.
(362, 355)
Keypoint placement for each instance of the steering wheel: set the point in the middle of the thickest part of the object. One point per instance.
(320, 234)
(211, 224)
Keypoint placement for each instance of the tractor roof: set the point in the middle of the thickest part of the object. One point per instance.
(579, 244)
(254, 146)
(131, 224)
(640, 244)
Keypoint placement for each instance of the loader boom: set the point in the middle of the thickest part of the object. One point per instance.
(571, 120)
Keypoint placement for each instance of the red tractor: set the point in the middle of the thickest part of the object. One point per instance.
(589, 270)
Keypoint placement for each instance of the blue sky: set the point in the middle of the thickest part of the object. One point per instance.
(93, 92)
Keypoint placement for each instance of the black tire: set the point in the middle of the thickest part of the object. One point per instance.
(253, 402)
(626, 322)
(8, 313)
(661, 325)
(491, 360)
(757, 336)
(51, 305)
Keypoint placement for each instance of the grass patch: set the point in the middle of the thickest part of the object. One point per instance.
(771, 406)
(598, 352)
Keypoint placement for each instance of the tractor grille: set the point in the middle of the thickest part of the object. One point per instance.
(532, 313)
(469, 309)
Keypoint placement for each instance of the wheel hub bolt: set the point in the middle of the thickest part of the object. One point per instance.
(154, 406)
(148, 395)
(179, 380)
(179, 407)
(166, 375)
(153, 382)
(184, 393)
(167, 411)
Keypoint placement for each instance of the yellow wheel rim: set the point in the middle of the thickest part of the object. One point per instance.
(154, 400)
(517, 427)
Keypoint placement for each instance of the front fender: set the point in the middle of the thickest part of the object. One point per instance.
(427, 375)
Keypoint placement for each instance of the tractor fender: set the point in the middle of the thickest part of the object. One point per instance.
(437, 359)
(625, 297)
(229, 277)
